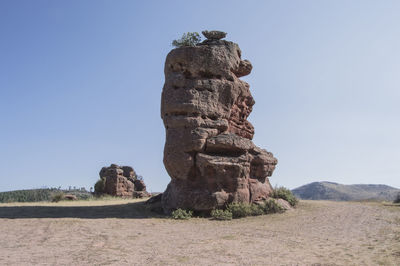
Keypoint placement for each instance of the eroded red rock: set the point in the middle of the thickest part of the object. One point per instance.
(208, 150)
(122, 181)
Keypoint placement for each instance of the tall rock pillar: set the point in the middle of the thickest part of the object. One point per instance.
(209, 153)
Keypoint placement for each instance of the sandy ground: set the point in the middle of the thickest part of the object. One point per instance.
(125, 233)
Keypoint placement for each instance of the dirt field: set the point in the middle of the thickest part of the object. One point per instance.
(124, 233)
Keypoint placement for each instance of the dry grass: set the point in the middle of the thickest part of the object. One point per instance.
(124, 232)
(92, 202)
(87, 209)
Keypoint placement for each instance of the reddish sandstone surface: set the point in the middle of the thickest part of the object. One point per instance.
(208, 150)
(122, 181)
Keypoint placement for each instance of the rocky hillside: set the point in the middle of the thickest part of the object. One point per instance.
(339, 192)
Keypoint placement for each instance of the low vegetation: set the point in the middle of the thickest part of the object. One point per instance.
(43, 194)
(181, 214)
(397, 199)
(286, 194)
(187, 39)
(221, 215)
(270, 206)
(57, 196)
(99, 186)
(31, 195)
(240, 210)
(257, 209)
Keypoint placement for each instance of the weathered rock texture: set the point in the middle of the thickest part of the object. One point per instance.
(214, 34)
(208, 150)
(122, 181)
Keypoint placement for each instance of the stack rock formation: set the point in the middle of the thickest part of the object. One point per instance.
(209, 152)
(122, 181)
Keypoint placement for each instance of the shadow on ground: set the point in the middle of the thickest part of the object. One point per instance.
(137, 210)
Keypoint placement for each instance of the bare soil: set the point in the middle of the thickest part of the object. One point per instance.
(125, 232)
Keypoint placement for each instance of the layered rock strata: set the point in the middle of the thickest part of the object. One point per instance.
(208, 151)
(122, 181)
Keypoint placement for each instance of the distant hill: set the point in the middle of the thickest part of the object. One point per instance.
(339, 192)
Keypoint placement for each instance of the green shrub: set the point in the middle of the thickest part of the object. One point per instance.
(270, 206)
(256, 209)
(397, 199)
(42, 194)
(100, 185)
(239, 210)
(181, 214)
(221, 214)
(286, 194)
(27, 195)
(57, 196)
(188, 39)
(82, 195)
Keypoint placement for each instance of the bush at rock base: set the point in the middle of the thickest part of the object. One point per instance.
(181, 214)
(256, 210)
(240, 210)
(57, 196)
(397, 199)
(100, 185)
(270, 206)
(286, 194)
(221, 215)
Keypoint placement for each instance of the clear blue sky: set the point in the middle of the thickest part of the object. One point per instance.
(81, 81)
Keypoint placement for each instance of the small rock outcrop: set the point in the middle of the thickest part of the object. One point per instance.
(70, 197)
(214, 34)
(122, 181)
(208, 151)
